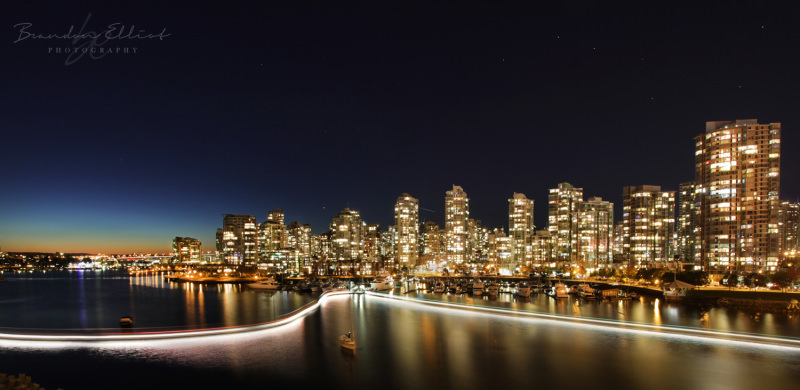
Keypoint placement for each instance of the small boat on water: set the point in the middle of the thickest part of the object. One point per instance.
(560, 290)
(126, 321)
(265, 284)
(382, 283)
(572, 289)
(492, 289)
(477, 288)
(347, 341)
(524, 290)
(452, 288)
(615, 294)
(585, 291)
(439, 287)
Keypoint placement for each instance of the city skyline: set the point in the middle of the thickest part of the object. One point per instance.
(316, 109)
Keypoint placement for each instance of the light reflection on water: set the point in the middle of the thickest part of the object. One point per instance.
(641, 310)
(97, 299)
(88, 300)
(407, 345)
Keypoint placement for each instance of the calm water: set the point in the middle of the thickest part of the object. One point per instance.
(401, 345)
(97, 299)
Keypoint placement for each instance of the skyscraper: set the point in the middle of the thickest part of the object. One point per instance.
(406, 222)
(276, 216)
(273, 237)
(562, 206)
(432, 247)
(348, 232)
(186, 250)
(541, 249)
(373, 247)
(499, 248)
(456, 206)
(520, 227)
(239, 240)
(648, 219)
(737, 173)
(790, 229)
(595, 233)
(688, 223)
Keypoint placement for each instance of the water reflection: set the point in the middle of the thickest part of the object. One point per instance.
(641, 310)
(96, 300)
(404, 345)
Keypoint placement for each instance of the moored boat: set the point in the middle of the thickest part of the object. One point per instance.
(439, 287)
(477, 288)
(614, 294)
(265, 284)
(492, 289)
(524, 290)
(382, 283)
(560, 290)
(585, 291)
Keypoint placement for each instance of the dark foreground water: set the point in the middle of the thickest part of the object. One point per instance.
(409, 345)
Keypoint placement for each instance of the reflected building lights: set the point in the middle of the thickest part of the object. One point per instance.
(236, 332)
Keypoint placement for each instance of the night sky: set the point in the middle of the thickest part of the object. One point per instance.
(314, 107)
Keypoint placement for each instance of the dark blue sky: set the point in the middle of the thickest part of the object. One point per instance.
(314, 107)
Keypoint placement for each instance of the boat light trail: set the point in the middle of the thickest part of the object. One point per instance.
(616, 325)
(676, 331)
(164, 334)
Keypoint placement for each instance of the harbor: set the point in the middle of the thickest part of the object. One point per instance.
(420, 339)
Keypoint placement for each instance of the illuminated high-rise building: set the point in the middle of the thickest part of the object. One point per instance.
(273, 237)
(499, 253)
(348, 232)
(520, 227)
(687, 227)
(432, 243)
(619, 233)
(186, 250)
(387, 242)
(406, 223)
(541, 249)
(456, 208)
(648, 220)
(276, 217)
(595, 233)
(789, 226)
(562, 207)
(737, 173)
(477, 241)
(239, 240)
(372, 242)
(321, 247)
(299, 238)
